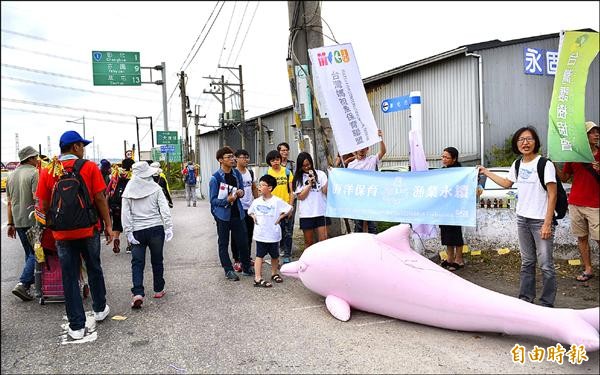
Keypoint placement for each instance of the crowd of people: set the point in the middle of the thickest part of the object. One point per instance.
(134, 198)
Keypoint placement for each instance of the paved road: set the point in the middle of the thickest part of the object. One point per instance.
(207, 324)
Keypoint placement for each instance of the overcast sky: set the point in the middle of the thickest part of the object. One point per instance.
(47, 63)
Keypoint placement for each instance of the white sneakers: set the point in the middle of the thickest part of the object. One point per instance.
(100, 316)
(78, 334)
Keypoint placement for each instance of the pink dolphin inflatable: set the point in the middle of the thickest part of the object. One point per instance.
(383, 275)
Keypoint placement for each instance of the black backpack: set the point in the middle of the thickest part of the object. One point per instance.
(71, 214)
(114, 201)
(561, 195)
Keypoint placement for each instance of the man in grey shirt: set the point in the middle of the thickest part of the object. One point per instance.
(20, 190)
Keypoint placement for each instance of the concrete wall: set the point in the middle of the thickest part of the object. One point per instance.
(497, 228)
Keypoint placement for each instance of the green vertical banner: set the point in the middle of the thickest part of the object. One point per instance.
(567, 139)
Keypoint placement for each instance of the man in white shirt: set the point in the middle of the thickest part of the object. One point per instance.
(250, 192)
(368, 163)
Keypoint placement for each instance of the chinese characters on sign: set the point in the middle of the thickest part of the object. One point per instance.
(113, 68)
(342, 91)
(539, 62)
(444, 196)
(575, 355)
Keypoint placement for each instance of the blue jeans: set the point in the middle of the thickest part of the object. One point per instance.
(27, 275)
(287, 228)
(190, 193)
(533, 248)
(70, 254)
(237, 228)
(154, 239)
(371, 226)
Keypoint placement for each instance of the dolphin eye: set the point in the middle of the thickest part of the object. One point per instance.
(301, 267)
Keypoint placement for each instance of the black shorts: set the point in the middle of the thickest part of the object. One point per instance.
(264, 248)
(314, 222)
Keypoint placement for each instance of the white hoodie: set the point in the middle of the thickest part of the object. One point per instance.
(144, 206)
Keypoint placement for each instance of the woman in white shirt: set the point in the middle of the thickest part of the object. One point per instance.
(535, 214)
(310, 188)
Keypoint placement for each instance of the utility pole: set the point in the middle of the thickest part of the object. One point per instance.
(197, 118)
(17, 148)
(306, 32)
(240, 93)
(184, 112)
(214, 93)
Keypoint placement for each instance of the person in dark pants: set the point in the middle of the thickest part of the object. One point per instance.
(20, 189)
(250, 192)
(451, 235)
(225, 189)
(146, 219)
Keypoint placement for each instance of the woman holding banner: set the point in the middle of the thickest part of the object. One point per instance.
(451, 235)
(535, 214)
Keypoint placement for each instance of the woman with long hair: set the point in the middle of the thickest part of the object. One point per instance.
(310, 188)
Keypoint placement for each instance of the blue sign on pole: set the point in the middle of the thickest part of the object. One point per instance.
(167, 149)
(399, 103)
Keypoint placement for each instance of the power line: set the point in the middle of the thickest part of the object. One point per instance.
(45, 54)
(45, 72)
(69, 88)
(245, 35)
(203, 27)
(227, 32)
(237, 33)
(63, 115)
(208, 32)
(66, 107)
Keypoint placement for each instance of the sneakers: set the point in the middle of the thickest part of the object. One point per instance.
(237, 267)
(194, 204)
(128, 250)
(160, 294)
(188, 204)
(22, 292)
(230, 275)
(77, 334)
(286, 260)
(116, 244)
(137, 302)
(100, 316)
(248, 272)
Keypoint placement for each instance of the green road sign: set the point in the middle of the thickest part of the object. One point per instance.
(114, 68)
(166, 137)
(173, 157)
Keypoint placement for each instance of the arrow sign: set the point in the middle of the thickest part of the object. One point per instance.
(399, 103)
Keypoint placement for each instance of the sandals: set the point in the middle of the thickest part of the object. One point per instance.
(445, 264)
(277, 278)
(262, 284)
(455, 266)
(584, 277)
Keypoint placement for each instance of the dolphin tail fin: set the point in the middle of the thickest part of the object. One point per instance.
(396, 236)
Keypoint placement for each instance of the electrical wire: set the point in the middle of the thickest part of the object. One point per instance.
(63, 115)
(227, 32)
(203, 40)
(70, 88)
(44, 54)
(198, 38)
(245, 35)
(65, 107)
(237, 33)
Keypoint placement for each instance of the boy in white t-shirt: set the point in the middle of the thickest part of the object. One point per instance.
(267, 211)
(368, 163)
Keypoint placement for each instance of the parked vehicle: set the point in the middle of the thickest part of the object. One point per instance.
(492, 190)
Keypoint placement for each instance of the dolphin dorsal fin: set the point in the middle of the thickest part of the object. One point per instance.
(396, 237)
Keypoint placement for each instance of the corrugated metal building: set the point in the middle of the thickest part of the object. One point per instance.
(458, 107)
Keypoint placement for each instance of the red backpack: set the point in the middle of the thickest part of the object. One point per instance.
(71, 215)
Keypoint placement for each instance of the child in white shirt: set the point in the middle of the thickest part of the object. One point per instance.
(267, 211)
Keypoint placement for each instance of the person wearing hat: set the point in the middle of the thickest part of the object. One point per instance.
(70, 252)
(584, 200)
(20, 187)
(147, 223)
(105, 168)
(160, 178)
